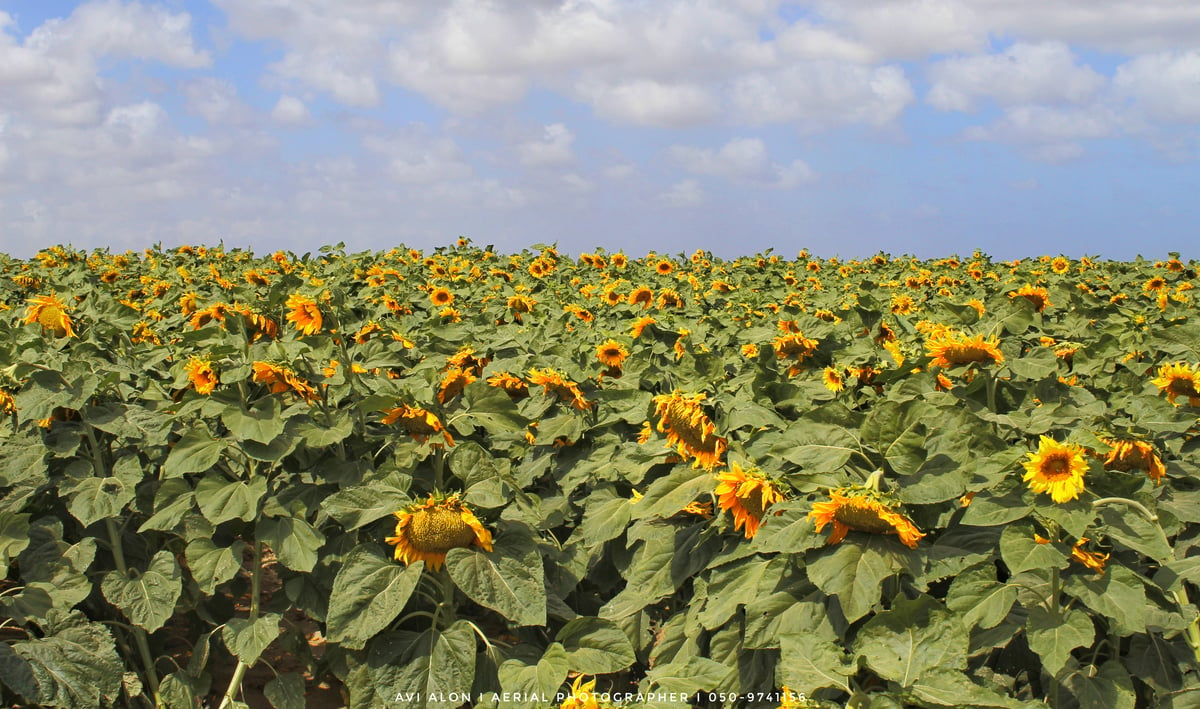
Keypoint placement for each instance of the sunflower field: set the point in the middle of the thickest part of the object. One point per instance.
(468, 478)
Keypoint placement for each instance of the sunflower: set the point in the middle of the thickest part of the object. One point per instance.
(750, 350)
(582, 696)
(747, 493)
(833, 379)
(8, 405)
(425, 531)
(1037, 295)
(1060, 265)
(280, 379)
(618, 260)
(555, 383)
(1179, 380)
(669, 297)
(948, 348)
(1156, 283)
(441, 297)
(639, 325)
(201, 375)
(1056, 468)
(1128, 455)
(863, 510)
(641, 296)
(453, 383)
(903, 305)
(1091, 559)
(689, 430)
(664, 267)
(520, 305)
(611, 354)
(420, 423)
(305, 314)
(514, 386)
(51, 313)
(257, 324)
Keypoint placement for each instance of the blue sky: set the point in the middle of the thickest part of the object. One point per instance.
(924, 127)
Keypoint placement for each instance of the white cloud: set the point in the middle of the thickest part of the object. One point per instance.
(1163, 87)
(743, 159)
(414, 155)
(686, 193)
(822, 94)
(553, 150)
(52, 76)
(1047, 133)
(216, 101)
(290, 110)
(1024, 73)
(652, 103)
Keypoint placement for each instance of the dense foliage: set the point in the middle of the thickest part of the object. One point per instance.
(425, 477)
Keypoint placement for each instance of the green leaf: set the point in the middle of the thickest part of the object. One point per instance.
(904, 643)
(1133, 531)
(75, 664)
(22, 459)
(787, 529)
(369, 592)
(147, 598)
(595, 646)
(14, 536)
(1036, 364)
(56, 567)
(980, 598)
(808, 663)
(195, 452)
(854, 571)
(1110, 687)
(261, 422)
(294, 541)
(173, 500)
(1119, 595)
(543, 679)
(1022, 552)
(1053, 637)
(897, 431)
(733, 585)
(606, 517)
(509, 579)
(361, 505)
(179, 690)
(686, 677)
(491, 408)
(286, 691)
(247, 638)
(221, 500)
(815, 446)
(668, 495)
(647, 578)
(211, 565)
(452, 665)
(316, 434)
(93, 499)
(949, 688)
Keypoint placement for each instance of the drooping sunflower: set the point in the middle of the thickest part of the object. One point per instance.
(641, 296)
(514, 386)
(1128, 455)
(1178, 380)
(520, 305)
(304, 314)
(420, 423)
(1037, 295)
(863, 510)
(557, 384)
(639, 325)
(689, 430)
(425, 531)
(611, 353)
(1056, 468)
(51, 313)
(948, 348)
(453, 382)
(279, 378)
(201, 374)
(747, 493)
(1091, 559)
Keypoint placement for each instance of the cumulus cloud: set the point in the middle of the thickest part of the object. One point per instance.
(415, 155)
(741, 159)
(1048, 133)
(216, 101)
(1164, 86)
(685, 193)
(553, 150)
(821, 94)
(290, 110)
(1046, 72)
(652, 103)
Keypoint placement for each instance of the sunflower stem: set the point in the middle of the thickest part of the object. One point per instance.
(439, 468)
(239, 672)
(1150, 516)
(118, 552)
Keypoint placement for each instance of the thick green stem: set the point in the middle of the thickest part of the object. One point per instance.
(239, 672)
(118, 552)
(1150, 516)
